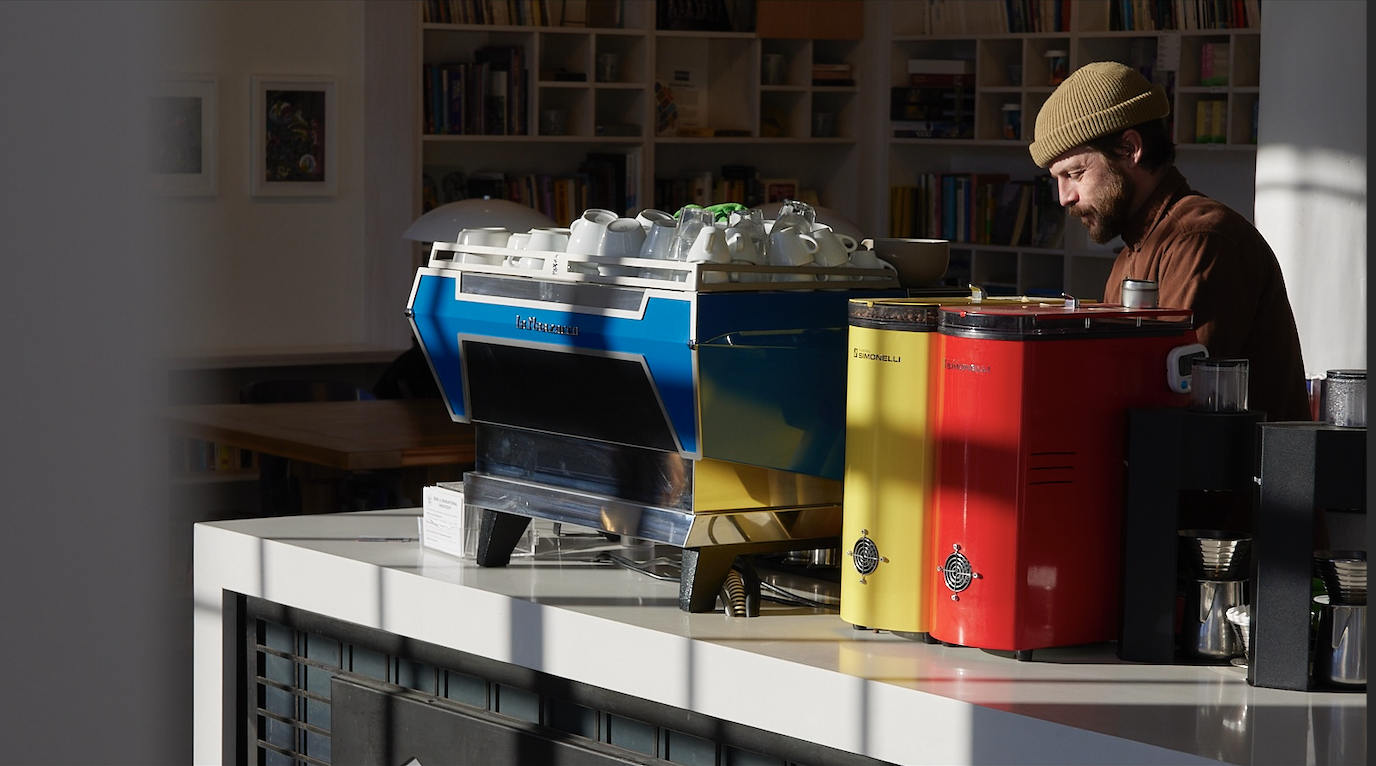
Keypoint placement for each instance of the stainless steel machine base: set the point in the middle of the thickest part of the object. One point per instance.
(711, 542)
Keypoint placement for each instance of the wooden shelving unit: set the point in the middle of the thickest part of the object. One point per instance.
(852, 170)
(1013, 68)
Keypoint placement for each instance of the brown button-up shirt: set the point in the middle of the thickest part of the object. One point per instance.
(1206, 257)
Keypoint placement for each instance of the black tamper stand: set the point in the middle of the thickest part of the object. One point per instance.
(1305, 469)
(1171, 450)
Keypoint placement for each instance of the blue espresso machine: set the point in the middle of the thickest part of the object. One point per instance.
(688, 408)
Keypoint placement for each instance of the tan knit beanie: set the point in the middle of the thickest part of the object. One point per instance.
(1098, 99)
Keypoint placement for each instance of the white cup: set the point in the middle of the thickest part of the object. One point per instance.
(487, 236)
(542, 240)
(866, 259)
(790, 247)
(710, 247)
(495, 236)
(548, 240)
(623, 238)
(585, 233)
(833, 249)
(650, 217)
(742, 246)
(517, 241)
(744, 251)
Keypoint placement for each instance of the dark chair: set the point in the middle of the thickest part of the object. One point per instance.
(279, 490)
(407, 377)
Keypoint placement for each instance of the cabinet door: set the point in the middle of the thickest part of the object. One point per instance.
(373, 724)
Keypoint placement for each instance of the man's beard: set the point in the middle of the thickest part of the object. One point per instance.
(1111, 208)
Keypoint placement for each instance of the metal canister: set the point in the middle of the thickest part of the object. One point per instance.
(1340, 650)
(1140, 293)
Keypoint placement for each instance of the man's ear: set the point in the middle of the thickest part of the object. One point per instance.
(1132, 146)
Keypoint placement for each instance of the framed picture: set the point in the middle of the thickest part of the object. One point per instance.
(294, 121)
(780, 189)
(183, 136)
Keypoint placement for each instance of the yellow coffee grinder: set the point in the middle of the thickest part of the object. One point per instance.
(890, 462)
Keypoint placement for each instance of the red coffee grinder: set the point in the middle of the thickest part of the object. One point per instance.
(1030, 428)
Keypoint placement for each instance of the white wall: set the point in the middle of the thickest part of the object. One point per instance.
(1311, 170)
(265, 273)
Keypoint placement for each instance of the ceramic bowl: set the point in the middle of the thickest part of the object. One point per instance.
(919, 262)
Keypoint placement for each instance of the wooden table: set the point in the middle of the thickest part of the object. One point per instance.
(325, 440)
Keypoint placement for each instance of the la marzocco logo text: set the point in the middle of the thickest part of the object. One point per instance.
(966, 367)
(862, 353)
(535, 325)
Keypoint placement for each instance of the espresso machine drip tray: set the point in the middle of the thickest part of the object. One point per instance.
(756, 529)
(711, 542)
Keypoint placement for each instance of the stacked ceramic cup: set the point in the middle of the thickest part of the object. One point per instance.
(796, 239)
(743, 238)
(602, 233)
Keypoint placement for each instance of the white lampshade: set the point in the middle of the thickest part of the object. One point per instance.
(444, 223)
(838, 223)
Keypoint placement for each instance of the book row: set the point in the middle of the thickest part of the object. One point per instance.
(524, 13)
(1148, 15)
(1211, 121)
(741, 184)
(486, 96)
(603, 179)
(960, 17)
(979, 208)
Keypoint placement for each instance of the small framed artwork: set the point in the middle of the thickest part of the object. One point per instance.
(780, 189)
(183, 136)
(292, 136)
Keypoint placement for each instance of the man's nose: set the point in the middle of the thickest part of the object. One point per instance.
(1067, 192)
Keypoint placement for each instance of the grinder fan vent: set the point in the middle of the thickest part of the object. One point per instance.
(865, 556)
(957, 571)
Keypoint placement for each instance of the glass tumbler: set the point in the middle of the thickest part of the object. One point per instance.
(1219, 385)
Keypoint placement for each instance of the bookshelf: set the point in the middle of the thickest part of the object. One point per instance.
(741, 123)
(1013, 71)
(768, 128)
(563, 114)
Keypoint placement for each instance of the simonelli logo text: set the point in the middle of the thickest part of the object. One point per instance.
(864, 353)
(535, 325)
(967, 367)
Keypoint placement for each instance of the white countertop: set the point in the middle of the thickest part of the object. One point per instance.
(802, 673)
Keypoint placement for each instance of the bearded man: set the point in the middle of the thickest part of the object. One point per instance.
(1103, 136)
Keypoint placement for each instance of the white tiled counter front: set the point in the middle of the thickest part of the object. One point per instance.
(801, 673)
